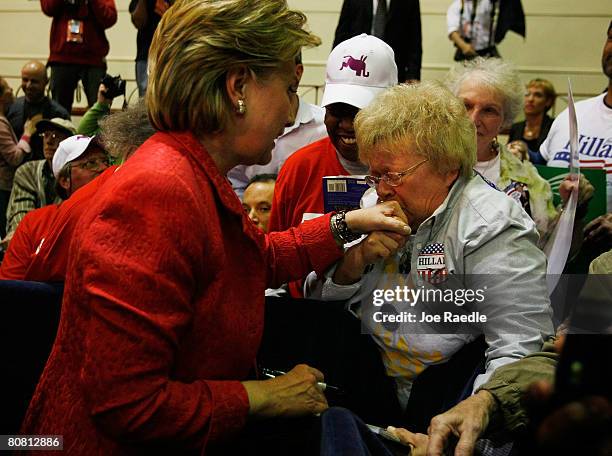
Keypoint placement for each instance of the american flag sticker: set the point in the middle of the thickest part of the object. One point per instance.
(431, 265)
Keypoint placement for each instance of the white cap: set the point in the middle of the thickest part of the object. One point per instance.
(358, 69)
(68, 150)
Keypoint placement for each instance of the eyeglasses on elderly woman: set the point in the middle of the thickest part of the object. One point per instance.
(392, 179)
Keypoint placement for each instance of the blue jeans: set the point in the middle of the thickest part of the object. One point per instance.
(142, 78)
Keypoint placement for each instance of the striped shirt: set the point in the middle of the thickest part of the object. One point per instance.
(33, 187)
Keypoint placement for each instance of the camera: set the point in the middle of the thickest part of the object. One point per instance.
(115, 86)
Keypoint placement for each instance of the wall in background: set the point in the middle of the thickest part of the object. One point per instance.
(564, 38)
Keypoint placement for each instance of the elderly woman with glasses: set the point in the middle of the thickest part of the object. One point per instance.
(470, 242)
(163, 304)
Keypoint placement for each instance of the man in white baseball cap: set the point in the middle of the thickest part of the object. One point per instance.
(358, 69)
(33, 185)
(77, 161)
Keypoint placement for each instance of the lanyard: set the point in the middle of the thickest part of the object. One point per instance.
(473, 19)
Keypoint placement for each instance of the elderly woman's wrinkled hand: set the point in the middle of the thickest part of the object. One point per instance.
(378, 246)
(296, 393)
(467, 420)
(599, 231)
(387, 216)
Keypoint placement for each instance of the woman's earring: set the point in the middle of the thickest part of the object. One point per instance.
(495, 145)
(241, 107)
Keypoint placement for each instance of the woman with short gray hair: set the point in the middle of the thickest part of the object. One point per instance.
(492, 92)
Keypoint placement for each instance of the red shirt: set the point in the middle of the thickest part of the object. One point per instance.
(49, 262)
(299, 189)
(25, 242)
(163, 307)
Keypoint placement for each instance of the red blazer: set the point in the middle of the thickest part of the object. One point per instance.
(163, 307)
(49, 260)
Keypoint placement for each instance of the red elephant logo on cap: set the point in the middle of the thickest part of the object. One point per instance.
(358, 66)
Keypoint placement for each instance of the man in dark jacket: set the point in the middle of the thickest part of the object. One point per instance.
(33, 104)
(396, 22)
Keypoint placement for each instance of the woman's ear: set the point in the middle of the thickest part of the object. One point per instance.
(235, 83)
(450, 178)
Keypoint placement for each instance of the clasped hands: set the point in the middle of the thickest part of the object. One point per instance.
(385, 239)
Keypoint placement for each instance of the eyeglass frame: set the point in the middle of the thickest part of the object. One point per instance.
(374, 181)
(53, 135)
(108, 161)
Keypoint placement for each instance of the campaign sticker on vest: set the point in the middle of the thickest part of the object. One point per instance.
(431, 264)
(519, 192)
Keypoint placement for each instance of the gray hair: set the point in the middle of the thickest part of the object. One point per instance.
(498, 75)
(426, 115)
(123, 132)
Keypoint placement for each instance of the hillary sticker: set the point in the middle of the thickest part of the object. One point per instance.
(431, 265)
(519, 192)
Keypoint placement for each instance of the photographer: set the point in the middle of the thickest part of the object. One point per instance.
(109, 88)
(475, 27)
(78, 45)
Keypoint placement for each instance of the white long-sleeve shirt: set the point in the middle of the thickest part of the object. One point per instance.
(479, 32)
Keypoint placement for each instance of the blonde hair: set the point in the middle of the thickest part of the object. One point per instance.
(198, 41)
(426, 115)
(547, 87)
(498, 75)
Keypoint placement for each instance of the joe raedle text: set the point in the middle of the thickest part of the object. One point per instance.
(423, 317)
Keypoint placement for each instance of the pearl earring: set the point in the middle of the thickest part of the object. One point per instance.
(241, 107)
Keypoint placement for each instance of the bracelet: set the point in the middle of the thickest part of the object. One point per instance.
(340, 230)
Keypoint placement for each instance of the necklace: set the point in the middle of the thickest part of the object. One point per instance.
(531, 132)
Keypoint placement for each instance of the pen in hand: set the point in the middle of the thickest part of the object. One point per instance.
(272, 373)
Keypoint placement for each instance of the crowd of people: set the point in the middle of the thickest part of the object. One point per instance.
(171, 223)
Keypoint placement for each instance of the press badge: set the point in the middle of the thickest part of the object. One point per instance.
(75, 31)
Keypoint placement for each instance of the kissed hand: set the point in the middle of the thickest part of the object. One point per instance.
(387, 216)
(378, 246)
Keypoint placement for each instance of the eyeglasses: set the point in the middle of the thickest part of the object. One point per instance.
(94, 164)
(52, 135)
(392, 179)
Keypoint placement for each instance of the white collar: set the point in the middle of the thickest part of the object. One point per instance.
(303, 116)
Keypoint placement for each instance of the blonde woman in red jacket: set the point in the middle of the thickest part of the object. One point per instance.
(164, 296)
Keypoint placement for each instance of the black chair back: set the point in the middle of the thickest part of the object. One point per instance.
(30, 318)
